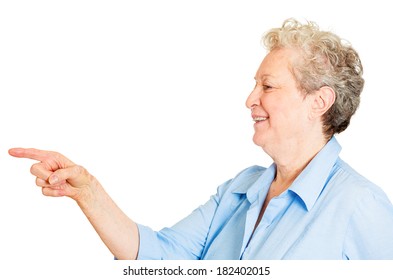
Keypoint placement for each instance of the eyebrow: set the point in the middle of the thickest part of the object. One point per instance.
(261, 77)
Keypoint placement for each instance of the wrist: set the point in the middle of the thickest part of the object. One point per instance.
(86, 197)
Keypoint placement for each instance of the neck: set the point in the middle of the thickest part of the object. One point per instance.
(293, 158)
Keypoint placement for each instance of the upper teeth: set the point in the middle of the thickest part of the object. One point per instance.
(257, 119)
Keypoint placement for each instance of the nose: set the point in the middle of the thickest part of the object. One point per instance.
(253, 99)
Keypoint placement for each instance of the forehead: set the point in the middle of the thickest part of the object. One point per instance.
(277, 62)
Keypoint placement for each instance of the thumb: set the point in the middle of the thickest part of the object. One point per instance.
(75, 175)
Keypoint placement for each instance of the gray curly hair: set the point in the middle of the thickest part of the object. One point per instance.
(327, 60)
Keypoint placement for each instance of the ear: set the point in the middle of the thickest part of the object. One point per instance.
(322, 100)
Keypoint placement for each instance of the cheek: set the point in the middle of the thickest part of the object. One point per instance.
(288, 116)
(279, 109)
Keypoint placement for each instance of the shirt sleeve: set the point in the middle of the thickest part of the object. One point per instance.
(185, 240)
(370, 230)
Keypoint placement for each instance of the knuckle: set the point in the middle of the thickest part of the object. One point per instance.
(45, 191)
(79, 170)
(39, 182)
(33, 168)
(56, 155)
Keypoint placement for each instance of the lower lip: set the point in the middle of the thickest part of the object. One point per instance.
(259, 123)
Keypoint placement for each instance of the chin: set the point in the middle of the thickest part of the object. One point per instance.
(266, 141)
(258, 141)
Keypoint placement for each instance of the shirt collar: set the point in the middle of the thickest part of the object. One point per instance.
(307, 186)
(311, 181)
(255, 184)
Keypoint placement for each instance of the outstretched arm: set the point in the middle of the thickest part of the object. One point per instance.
(59, 176)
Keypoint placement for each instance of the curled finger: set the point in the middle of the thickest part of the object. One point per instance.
(40, 171)
(41, 182)
(54, 192)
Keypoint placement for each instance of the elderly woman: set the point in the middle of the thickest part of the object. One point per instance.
(309, 204)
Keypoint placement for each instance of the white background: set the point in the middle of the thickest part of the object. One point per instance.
(149, 97)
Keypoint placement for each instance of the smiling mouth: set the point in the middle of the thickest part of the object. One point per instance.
(259, 119)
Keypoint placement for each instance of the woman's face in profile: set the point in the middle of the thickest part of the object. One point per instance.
(279, 109)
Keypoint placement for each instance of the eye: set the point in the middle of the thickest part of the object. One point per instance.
(267, 87)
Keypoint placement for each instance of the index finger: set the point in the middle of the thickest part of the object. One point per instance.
(30, 153)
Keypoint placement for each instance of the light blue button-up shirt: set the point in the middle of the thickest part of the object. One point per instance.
(329, 212)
